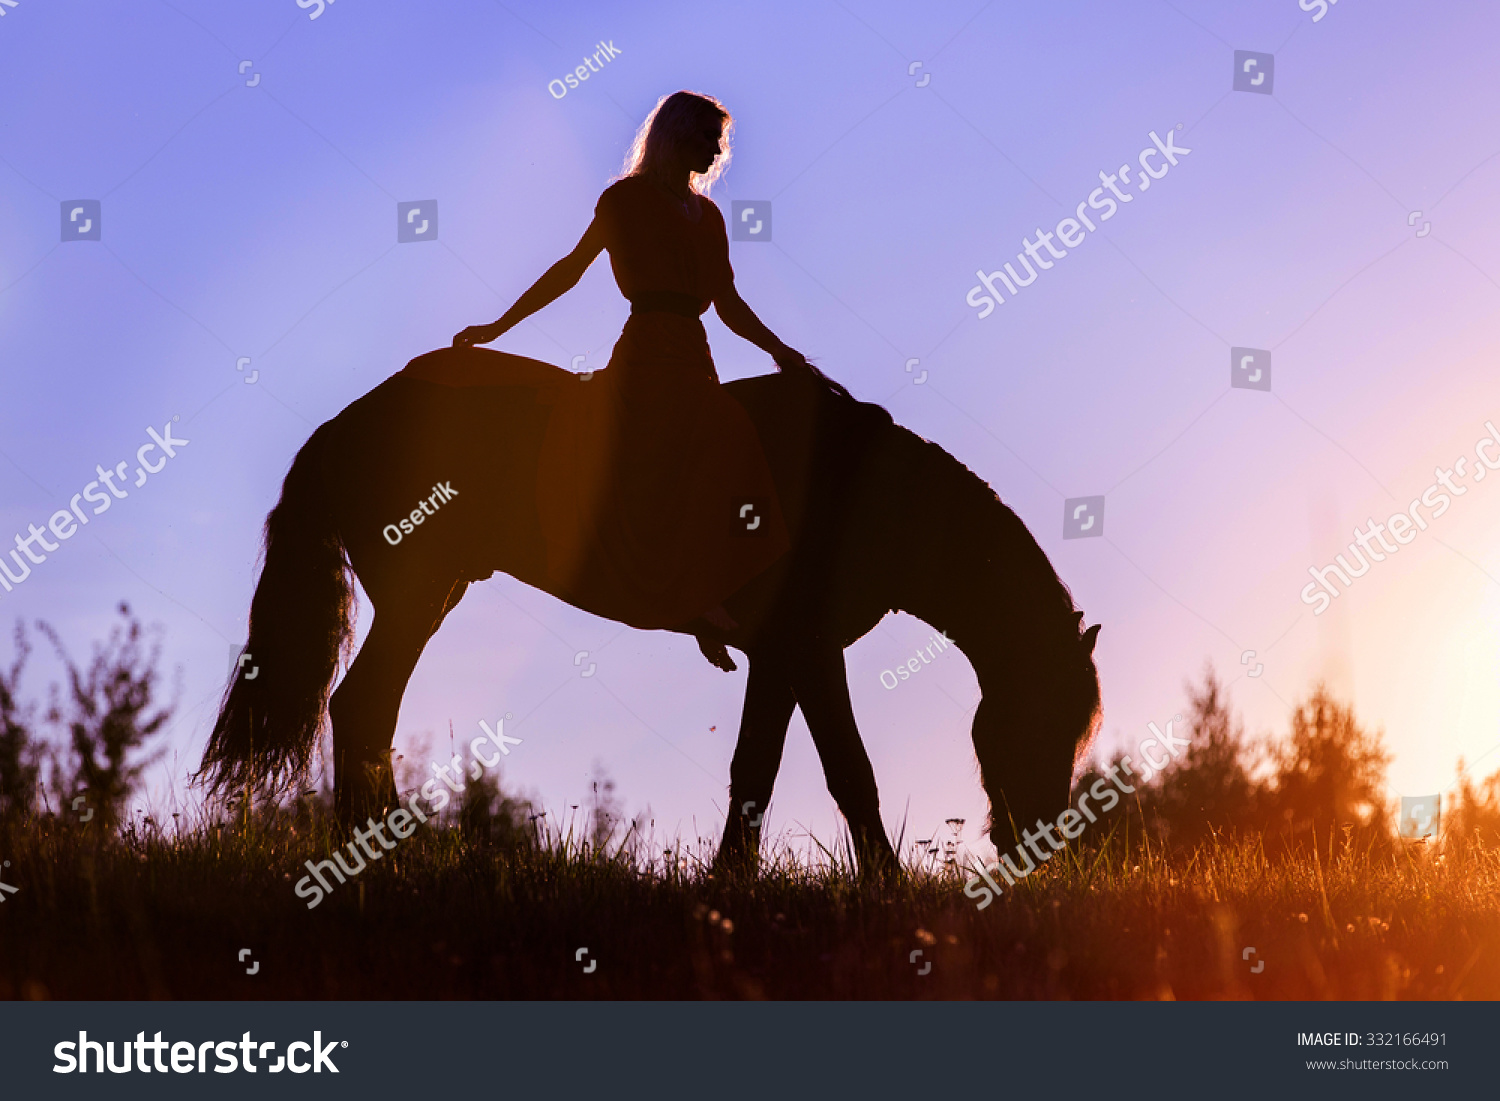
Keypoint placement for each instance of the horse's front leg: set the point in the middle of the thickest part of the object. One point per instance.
(821, 684)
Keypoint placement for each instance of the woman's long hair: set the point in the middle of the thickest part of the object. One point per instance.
(672, 119)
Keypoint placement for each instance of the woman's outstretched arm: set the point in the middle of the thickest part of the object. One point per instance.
(740, 319)
(560, 278)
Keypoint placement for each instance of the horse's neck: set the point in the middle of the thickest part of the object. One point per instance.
(968, 564)
(930, 540)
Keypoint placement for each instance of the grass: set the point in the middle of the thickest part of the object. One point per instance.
(148, 914)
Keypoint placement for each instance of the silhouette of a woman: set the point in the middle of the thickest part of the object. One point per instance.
(653, 493)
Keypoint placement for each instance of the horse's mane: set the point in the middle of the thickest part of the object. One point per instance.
(944, 467)
(965, 496)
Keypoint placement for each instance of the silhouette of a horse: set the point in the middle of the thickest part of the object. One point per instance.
(880, 520)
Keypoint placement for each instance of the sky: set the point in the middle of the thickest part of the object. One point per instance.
(247, 161)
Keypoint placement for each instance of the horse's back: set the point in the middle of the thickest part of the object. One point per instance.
(484, 367)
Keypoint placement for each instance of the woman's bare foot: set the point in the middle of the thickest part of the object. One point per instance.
(718, 617)
(717, 654)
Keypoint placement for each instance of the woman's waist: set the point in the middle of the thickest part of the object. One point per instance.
(675, 302)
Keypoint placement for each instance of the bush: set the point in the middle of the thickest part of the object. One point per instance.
(20, 752)
(1475, 814)
(105, 719)
(1327, 777)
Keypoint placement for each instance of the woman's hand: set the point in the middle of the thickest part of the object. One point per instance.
(786, 357)
(479, 334)
(789, 359)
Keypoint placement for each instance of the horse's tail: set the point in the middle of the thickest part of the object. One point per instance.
(300, 626)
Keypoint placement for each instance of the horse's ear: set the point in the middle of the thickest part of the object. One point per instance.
(1090, 637)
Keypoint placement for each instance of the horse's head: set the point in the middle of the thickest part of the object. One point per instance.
(1010, 614)
(1038, 717)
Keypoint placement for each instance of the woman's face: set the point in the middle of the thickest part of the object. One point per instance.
(702, 147)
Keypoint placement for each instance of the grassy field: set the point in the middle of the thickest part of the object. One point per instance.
(144, 915)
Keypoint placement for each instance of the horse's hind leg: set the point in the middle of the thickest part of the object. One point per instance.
(757, 757)
(364, 707)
